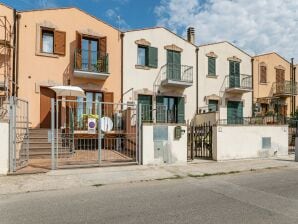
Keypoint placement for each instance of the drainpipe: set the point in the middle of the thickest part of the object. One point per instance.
(18, 17)
(253, 87)
(292, 81)
(14, 52)
(197, 80)
(294, 78)
(122, 39)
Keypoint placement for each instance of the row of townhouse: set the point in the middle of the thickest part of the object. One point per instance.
(153, 67)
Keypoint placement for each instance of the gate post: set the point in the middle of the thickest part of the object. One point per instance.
(139, 132)
(53, 154)
(99, 131)
(12, 134)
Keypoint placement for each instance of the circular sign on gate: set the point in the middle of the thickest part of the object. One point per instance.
(92, 124)
(106, 124)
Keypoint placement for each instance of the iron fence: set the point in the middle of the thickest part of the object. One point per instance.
(242, 81)
(177, 72)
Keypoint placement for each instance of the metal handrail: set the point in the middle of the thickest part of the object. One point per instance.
(91, 61)
(285, 87)
(262, 120)
(177, 72)
(243, 81)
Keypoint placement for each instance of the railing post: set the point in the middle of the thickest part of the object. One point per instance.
(139, 126)
(53, 156)
(99, 131)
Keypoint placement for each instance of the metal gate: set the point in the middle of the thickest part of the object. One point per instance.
(93, 133)
(199, 141)
(19, 134)
(293, 133)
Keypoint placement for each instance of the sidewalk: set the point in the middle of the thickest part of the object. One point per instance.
(71, 178)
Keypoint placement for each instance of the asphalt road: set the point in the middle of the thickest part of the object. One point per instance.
(269, 196)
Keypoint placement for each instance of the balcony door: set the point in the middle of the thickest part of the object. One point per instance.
(146, 102)
(90, 54)
(173, 65)
(234, 80)
(280, 80)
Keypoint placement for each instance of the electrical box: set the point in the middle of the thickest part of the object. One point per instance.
(177, 132)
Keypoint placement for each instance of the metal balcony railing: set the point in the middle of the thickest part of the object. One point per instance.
(285, 88)
(177, 72)
(242, 81)
(91, 61)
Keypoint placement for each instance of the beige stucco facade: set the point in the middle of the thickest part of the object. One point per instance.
(264, 93)
(216, 86)
(37, 69)
(143, 80)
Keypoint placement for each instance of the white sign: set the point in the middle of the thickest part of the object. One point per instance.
(91, 126)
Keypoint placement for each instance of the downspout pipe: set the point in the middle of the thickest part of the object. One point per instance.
(14, 53)
(122, 49)
(253, 87)
(292, 81)
(197, 80)
(18, 17)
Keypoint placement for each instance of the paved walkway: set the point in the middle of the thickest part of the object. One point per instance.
(73, 178)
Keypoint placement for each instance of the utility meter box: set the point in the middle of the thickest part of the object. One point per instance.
(177, 132)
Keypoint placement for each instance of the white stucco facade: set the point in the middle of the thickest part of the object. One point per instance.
(248, 142)
(213, 87)
(171, 151)
(4, 149)
(138, 80)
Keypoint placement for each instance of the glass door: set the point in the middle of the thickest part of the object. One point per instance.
(89, 54)
(171, 104)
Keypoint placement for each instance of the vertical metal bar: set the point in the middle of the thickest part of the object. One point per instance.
(139, 147)
(99, 132)
(53, 133)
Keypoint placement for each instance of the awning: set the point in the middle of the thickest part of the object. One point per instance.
(68, 91)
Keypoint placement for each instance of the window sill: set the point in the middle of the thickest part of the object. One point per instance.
(142, 67)
(212, 76)
(264, 83)
(46, 55)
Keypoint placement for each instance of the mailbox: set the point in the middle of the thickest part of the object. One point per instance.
(177, 132)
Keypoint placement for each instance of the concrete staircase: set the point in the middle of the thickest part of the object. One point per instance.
(39, 146)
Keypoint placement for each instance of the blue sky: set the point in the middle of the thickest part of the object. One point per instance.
(255, 26)
(133, 13)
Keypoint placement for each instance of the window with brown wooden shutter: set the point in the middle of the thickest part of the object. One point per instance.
(108, 108)
(78, 51)
(263, 75)
(103, 46)
(59, 42)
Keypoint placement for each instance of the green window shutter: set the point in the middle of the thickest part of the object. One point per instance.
(173, 65)
(211, 66)
(180, 110)
(152, 57)
(160, 110)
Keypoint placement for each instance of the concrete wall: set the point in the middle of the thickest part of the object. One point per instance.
(176, 150)
(4, 149)
(248, 143)
(140, 81)
(213, 85)
(271, 60)
(37, 69)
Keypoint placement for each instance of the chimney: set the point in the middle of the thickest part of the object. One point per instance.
(191, 35)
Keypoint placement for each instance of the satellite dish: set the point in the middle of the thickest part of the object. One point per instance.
(106, 124)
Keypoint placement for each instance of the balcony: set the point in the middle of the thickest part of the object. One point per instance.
(238, 84)
(175, 75)
(284, 88)
(91, 64)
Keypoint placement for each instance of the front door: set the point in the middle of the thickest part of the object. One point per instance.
(234, 80)
(173, 65)
(234, 112)
(45, 106)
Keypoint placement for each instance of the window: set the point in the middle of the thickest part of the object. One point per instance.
(170, 109)
(47, 43)
(211, 66)
(263, 74)
(52, 41)
(147, 56)
(142, 55)
(90, 54)
(212, 105)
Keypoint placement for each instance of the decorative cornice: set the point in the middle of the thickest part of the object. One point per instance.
(280, 67)
(143, 42)
(211, 54)
(173, 47)
(234, 58)
(263, 64)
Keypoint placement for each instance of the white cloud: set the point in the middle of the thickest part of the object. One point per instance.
(113, 14)
(47, 3)
(255, 26)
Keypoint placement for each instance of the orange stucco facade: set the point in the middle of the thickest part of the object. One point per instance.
(36, 69)
(263, 93)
